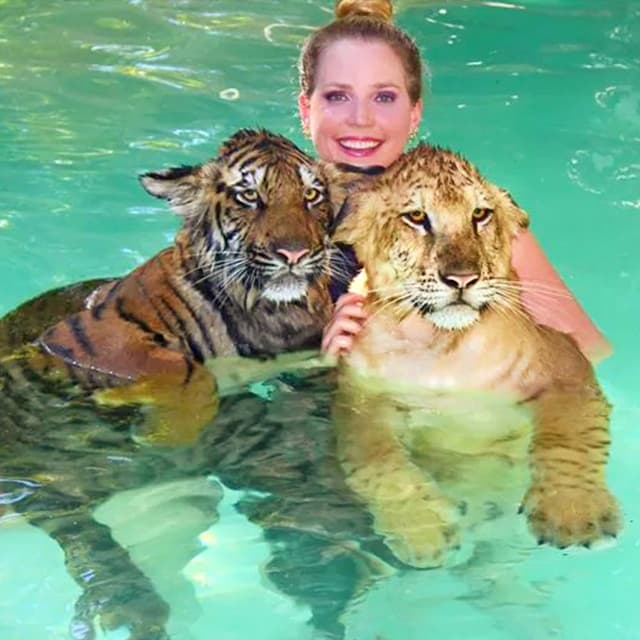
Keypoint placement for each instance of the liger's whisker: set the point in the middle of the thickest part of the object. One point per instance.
(531, 287)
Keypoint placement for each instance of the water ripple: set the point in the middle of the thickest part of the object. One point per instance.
(16, 490)
(283, 34)
(144, 52)
(183, 139)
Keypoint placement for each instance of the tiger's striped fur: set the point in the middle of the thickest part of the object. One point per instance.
(247, 275)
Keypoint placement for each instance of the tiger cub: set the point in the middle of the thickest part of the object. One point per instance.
(247, 275)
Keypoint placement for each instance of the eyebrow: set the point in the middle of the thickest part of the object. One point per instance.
(377, 85)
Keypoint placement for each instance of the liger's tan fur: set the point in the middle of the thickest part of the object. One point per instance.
(453, 398)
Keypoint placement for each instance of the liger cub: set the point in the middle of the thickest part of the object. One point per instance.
(247, 276)
(454, 402)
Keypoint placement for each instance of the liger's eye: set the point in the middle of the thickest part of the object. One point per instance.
(247, 196)
(417, 218)
(481, 215)
(312, 195)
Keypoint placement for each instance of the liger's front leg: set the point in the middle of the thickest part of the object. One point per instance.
(569, 502)
(418, 522)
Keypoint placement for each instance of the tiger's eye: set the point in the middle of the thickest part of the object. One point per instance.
(312, 195)
(248, 197)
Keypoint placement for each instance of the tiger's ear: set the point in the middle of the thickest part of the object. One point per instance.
(179, 185)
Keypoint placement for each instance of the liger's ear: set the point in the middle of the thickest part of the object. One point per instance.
(344, 180)
(357, 225)
(179, 185)
(513, 213)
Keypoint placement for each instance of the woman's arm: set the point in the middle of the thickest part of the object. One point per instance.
(549, 301)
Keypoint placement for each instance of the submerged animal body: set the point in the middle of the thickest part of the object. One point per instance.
(70, 457)
(247, 276)
(452, 394)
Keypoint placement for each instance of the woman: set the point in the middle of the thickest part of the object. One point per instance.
(360, 102)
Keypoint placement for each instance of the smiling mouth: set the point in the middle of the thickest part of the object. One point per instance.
(363, 146)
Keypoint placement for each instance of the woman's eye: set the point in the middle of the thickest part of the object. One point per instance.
(386, 96)
(481, 215)
(335, 96)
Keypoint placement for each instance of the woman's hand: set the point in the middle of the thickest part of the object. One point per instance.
(348, 320)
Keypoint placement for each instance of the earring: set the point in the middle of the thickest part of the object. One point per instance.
(305, 129)
(413, 135)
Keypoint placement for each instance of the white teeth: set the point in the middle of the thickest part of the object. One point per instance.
(359, 144)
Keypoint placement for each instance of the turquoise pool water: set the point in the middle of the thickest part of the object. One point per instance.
(543, 96)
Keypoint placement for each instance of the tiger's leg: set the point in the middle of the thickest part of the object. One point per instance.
(114, 590)
(322, 574)
(418, 522)
(178, 404)
(155, 369)
(568, 501)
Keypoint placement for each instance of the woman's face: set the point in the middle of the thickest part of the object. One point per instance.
(359, 112)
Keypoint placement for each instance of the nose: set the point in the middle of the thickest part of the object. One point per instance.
(361, 113)
(459, 280)
(292, 256)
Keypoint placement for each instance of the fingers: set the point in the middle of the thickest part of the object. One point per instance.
(347, 322)
(348, 300)
(339, 345)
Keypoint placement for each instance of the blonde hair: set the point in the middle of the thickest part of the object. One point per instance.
(381, 9)
(368, 20)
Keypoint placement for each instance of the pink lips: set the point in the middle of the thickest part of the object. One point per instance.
(357, 147)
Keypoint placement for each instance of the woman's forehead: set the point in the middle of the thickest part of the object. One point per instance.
(351, 61)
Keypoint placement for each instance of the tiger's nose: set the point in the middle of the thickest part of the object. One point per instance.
(293, 256)
(459, 280)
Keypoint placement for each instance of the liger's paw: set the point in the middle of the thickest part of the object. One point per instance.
(564, 516)
(422, 534)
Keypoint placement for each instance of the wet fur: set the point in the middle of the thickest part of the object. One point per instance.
(451, 368)
(233, 283)
(143, 339)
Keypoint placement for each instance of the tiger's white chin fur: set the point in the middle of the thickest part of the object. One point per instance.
(454, 317)
(285, 289)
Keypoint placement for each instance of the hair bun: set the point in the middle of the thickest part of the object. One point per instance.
(379, 9)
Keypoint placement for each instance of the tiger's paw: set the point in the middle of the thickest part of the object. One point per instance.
(565, 516)
(175, 413)
(143, 615)
(423, 534)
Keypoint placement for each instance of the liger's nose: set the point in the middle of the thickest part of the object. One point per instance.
(459, 280)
